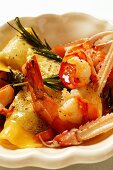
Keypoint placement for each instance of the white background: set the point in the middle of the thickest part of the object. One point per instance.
(9, 9)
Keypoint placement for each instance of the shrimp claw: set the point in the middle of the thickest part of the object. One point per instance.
(77, 136)
(98, 36)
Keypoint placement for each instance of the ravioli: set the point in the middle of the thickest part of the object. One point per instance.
(23, 124)
(47, 66)
(14, 54)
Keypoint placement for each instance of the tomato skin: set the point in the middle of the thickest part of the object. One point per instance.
(45, 135)
(67, 75)
(59, 50)
(3, 77)
(88, 110)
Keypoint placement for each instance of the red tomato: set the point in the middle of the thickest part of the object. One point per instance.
(59, 50)
(45, 135)
(68, 76)
(3, 77)
(89, 111)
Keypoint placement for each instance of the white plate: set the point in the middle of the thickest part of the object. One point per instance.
(59, 29)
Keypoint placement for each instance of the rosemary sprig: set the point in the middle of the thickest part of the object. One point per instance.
(16, 80)
(32, 38)
(53, 82)
(54, 86)
(14, 77)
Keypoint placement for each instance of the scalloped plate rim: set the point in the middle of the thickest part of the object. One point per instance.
(69, 155)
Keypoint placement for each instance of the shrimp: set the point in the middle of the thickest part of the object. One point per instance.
(77, 68)
(91, 129)
(73, 117)
(73, 111)
(75, 136)
(83, 54)
(6, 97)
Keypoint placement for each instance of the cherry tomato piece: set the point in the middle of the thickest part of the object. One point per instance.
(45, 135)
(68, 76)
(59, 50)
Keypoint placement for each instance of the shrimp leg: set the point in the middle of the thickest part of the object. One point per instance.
(77, 136)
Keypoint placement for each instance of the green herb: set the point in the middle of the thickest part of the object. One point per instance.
(39, 47)
(54, 86)
(47, 53)
(53, 79)
(15, 79)
(32, 38)
(53, 82)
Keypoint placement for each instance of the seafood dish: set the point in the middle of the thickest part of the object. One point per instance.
(57, 96)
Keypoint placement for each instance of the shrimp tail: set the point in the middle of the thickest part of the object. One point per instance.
(43, 104)
(33, 76)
